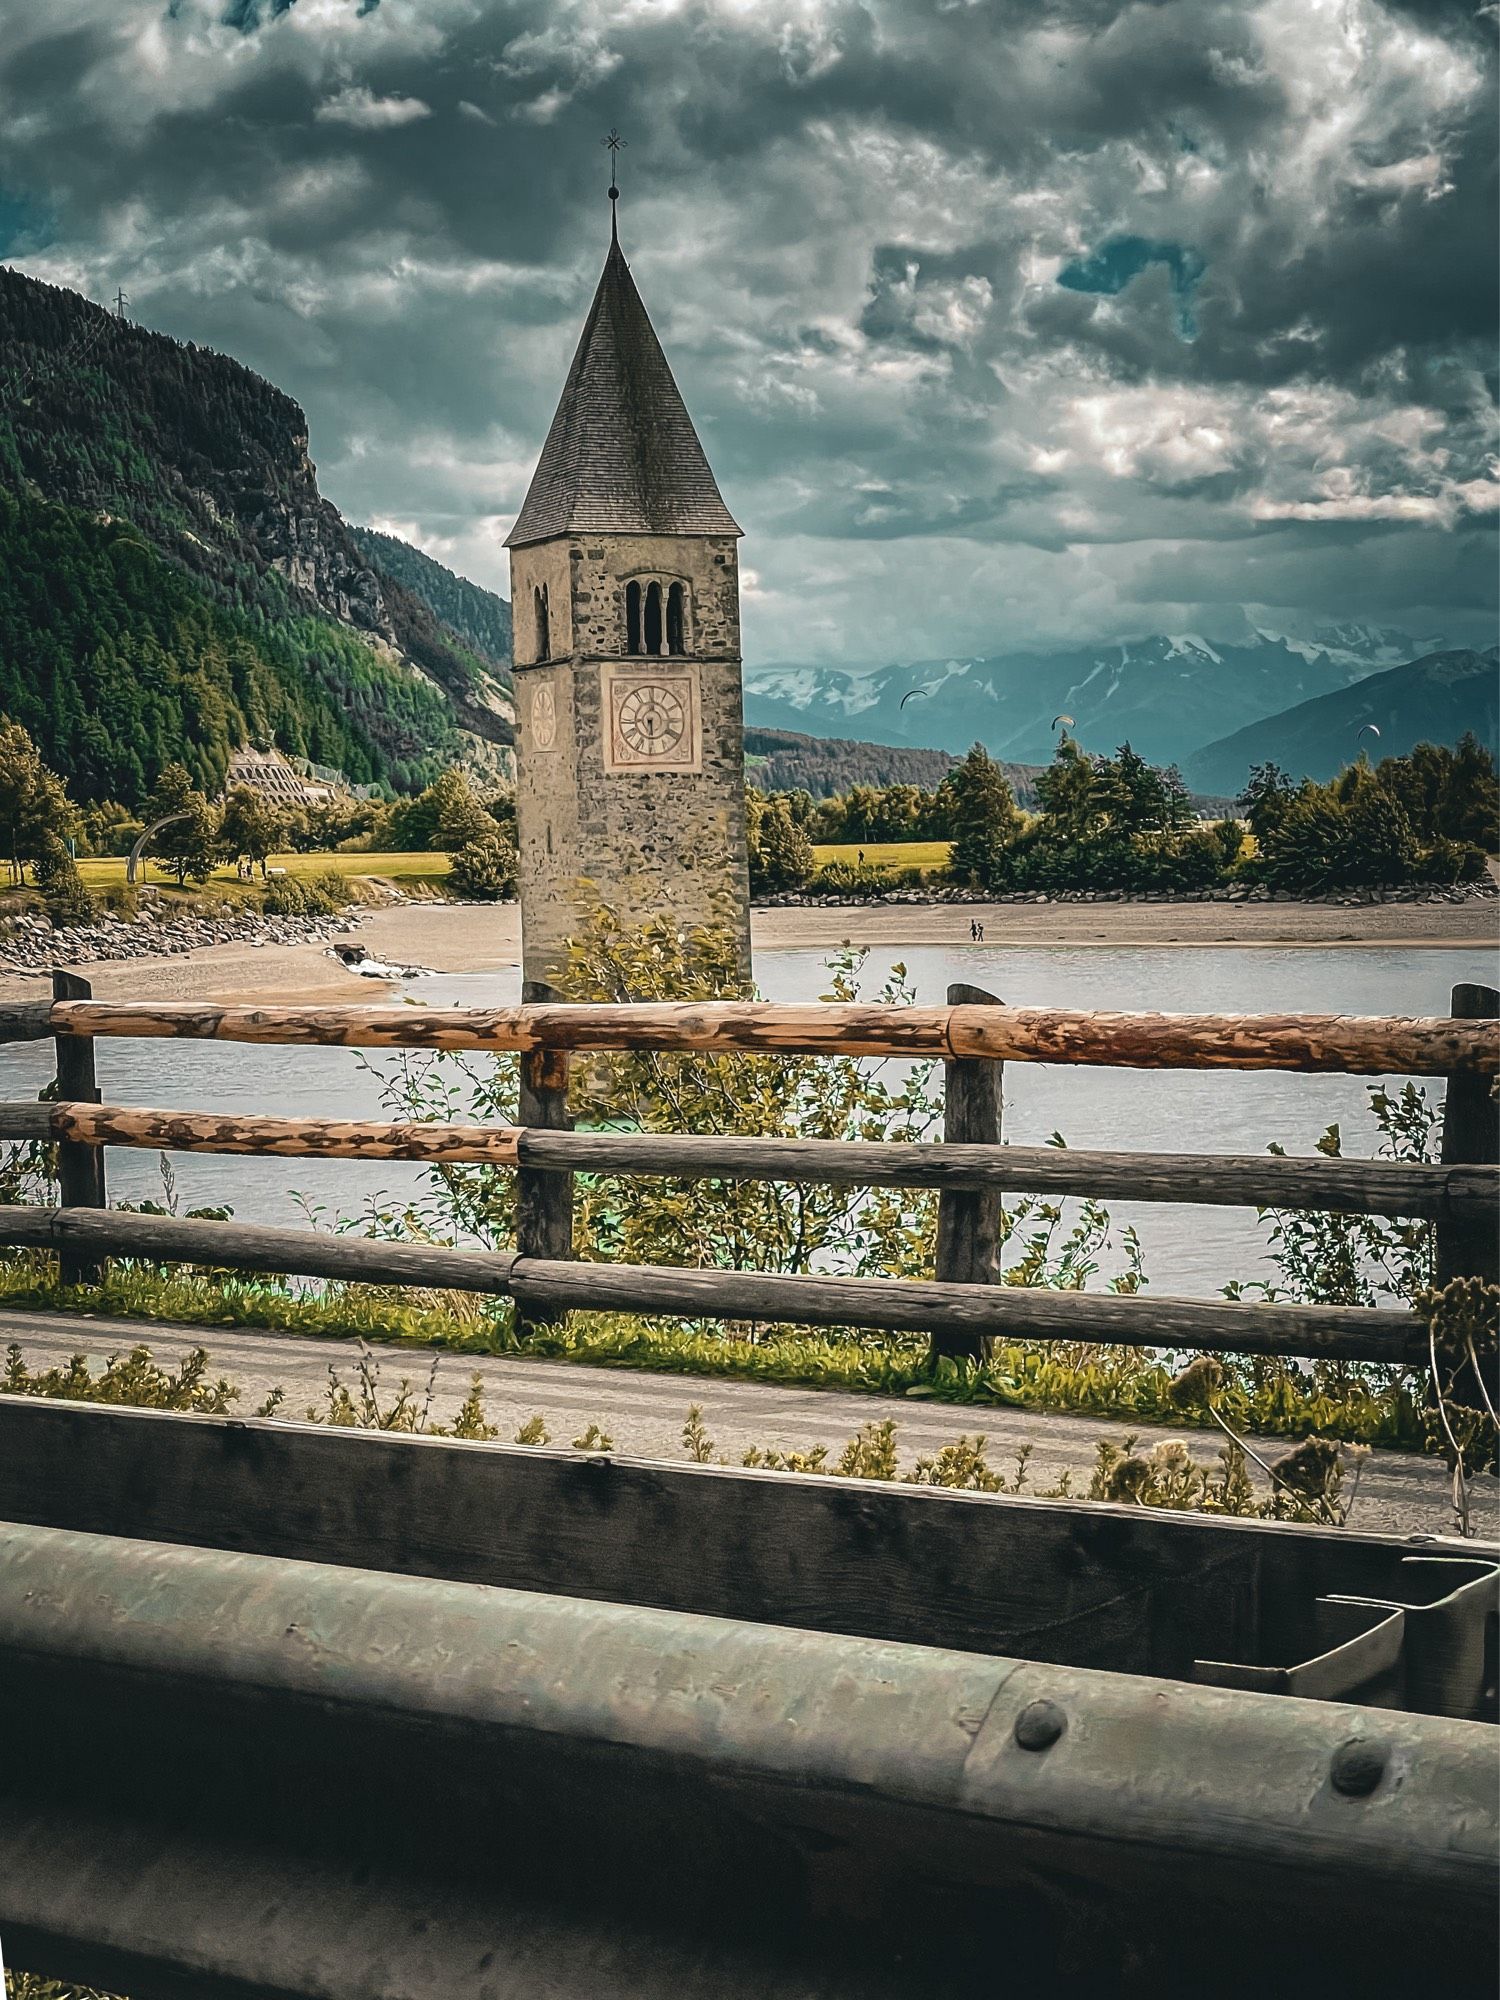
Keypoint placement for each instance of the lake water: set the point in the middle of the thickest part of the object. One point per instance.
(1188, 1251)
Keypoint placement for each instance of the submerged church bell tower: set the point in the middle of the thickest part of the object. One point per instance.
(625, 599)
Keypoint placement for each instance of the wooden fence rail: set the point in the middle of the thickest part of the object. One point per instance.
(1456, 1193)
(1353, 1044)
(965, 1308)
(542, 1285)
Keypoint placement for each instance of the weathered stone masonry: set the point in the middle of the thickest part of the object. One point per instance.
(625, 588)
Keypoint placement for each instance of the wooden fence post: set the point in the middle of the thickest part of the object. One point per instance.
(544, 1196)
(1470, 1248)
(1471, 1137)
(968, 1228)
(80, 1168)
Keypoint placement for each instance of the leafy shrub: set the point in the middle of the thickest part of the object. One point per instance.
(484, 869)
(304, 895)
(1447, 861)
(60, 884)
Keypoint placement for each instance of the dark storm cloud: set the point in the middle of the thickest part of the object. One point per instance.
(1082, 312)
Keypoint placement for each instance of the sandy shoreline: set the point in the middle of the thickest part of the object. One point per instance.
(479, 938)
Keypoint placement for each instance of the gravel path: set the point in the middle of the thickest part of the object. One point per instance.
(644, 1414)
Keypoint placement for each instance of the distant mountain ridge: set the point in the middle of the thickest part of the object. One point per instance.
(1436, 700)
(287, 631)
(1167, 695)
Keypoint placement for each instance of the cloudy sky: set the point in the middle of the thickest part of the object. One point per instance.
(1010, 322)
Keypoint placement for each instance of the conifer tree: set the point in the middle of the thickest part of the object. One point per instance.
(983, 817)
(784, 854)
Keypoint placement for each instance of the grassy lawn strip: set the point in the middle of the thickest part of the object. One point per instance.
(884, 855)
(405, 869)
(1127, 1384)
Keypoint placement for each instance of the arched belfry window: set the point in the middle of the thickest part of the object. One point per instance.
(632, 617)
(656, 616)
(675, 641)
(651, 634)
(543, 635)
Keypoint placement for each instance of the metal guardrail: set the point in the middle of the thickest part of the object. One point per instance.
(244, 1774)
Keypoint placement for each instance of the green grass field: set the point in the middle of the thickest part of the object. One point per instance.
(403, 868)
(885, 855)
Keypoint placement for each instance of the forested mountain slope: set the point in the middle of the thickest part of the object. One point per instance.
(189, 581)
(785, 760)
(477, 615)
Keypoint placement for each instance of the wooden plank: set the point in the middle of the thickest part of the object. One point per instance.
(1352, 1044)
(544, 1195)
(28, 1121)
(1131, 1588)
(1223, 1180)
(289, 1138)
(1226, 1180)
(26, 1021)
(80, 1169)
(969, 1220)
(251, 1246)
(1013, 1312)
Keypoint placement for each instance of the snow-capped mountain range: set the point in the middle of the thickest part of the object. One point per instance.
(1169, 695)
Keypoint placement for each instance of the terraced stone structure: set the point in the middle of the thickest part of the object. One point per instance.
(625, 592)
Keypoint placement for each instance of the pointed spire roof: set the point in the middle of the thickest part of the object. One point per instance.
(622, 456)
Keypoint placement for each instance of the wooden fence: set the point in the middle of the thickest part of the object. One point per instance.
(963, 1307)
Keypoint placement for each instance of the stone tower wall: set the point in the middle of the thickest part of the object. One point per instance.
(630, 785)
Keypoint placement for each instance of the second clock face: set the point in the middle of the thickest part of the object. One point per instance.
(651, 721)
(543, 717)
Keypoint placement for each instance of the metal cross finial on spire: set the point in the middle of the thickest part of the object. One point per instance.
(614, 142)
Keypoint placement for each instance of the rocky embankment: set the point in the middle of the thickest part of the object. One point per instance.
(1239, 892)
(31, 944)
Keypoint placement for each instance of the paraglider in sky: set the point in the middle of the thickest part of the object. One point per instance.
(908, 695)
(1062, 718)
(1370, 726)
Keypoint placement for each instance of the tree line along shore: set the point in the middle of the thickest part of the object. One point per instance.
(1107, 829)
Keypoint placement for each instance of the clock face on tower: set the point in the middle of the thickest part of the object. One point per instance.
(652, 721)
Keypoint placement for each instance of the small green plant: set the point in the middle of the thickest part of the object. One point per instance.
(409, 1409)
(696, 1441)
(133, 1378)
(593, 1439)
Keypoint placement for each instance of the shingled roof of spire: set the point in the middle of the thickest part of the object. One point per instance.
(622, 456)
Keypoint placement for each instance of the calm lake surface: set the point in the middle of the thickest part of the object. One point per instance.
(1187, 1251)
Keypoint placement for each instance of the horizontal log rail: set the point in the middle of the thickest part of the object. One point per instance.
(1352, 1044)
(250, 1246)
(1356, 1187)
(1012, 1312)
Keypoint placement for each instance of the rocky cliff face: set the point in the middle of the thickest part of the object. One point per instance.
(212, 464)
